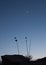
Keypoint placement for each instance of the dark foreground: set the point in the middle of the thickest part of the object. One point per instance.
(21, 60)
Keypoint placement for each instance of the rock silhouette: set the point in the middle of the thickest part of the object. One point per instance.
(0, 63)
(21, 60)
(14, 60)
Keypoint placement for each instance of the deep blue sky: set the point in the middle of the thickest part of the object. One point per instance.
(22, 18)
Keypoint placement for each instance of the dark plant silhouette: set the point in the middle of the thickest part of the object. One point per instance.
(28, 58)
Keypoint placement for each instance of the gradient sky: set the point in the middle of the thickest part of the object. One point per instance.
(22, 18)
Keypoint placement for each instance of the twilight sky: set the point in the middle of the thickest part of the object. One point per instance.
(22, 18)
